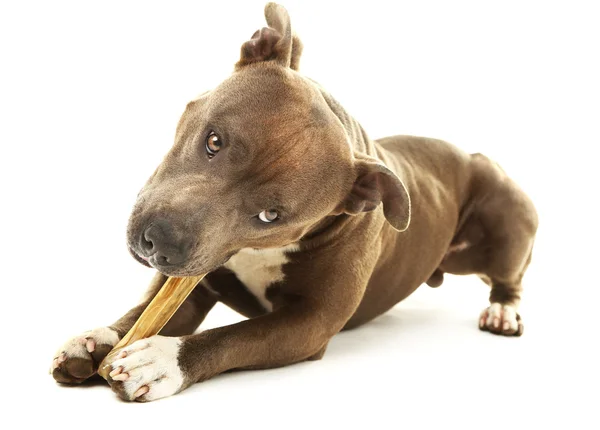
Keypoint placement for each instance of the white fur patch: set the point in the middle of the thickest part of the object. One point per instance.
(504, 317)
(257, 269)
(78, 345)
(153, 363)
(510, 316)
(493, 312)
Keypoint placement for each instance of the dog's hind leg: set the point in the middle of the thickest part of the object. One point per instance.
(500, 261)
(495, 242)
(510, 222)
(501, 316)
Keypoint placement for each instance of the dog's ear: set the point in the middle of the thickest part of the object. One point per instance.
(375, 183)
(273, 43)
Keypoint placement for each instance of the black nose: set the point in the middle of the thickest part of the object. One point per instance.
(161, 240)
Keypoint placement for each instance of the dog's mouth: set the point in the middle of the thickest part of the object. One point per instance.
(148, 263)
(139, 258)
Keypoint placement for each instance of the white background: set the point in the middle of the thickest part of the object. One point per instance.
(90, 93)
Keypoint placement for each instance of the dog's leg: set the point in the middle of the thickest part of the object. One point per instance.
(160, 366)
(501, 264)
(495, 242)
(297, 330)
(501, 317)
(78, 359)
(500, 259)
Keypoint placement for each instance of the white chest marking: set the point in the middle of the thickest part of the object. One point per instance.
(258, 269)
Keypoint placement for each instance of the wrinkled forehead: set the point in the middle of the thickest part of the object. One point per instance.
(266, 98)
(272, 115)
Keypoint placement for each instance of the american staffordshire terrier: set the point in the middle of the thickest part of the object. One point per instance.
(305, 225)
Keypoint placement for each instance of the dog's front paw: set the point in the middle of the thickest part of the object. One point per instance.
(501, 319)
(147, 369)
(78, 358)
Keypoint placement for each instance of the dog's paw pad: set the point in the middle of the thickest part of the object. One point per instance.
(147, 370)
(501, 319)
(79, 357)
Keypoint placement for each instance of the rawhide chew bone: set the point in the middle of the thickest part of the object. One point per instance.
(170, 297)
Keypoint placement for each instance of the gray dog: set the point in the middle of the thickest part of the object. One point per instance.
(305, 225)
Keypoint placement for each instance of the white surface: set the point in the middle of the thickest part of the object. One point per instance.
(89, 98)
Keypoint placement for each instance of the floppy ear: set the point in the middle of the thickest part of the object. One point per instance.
(375, 183)
(273, 43)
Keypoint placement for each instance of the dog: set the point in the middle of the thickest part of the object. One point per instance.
(304, 225)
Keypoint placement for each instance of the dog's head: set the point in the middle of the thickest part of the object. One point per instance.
(258, 162)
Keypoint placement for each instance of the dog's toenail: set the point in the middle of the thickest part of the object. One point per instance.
(496, 322)
(120, 377)
(506, 325)
(116, 371)
(61, 358)
(141, 391)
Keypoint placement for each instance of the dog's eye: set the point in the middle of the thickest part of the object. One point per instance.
(213, 144)
(268, 216)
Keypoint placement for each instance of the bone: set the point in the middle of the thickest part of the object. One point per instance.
(160, 310)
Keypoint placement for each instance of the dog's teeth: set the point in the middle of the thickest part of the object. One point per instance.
(90, 345)
(61, 358)
(141, 391)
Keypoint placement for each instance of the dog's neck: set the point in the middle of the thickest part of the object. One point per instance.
(357, 136)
